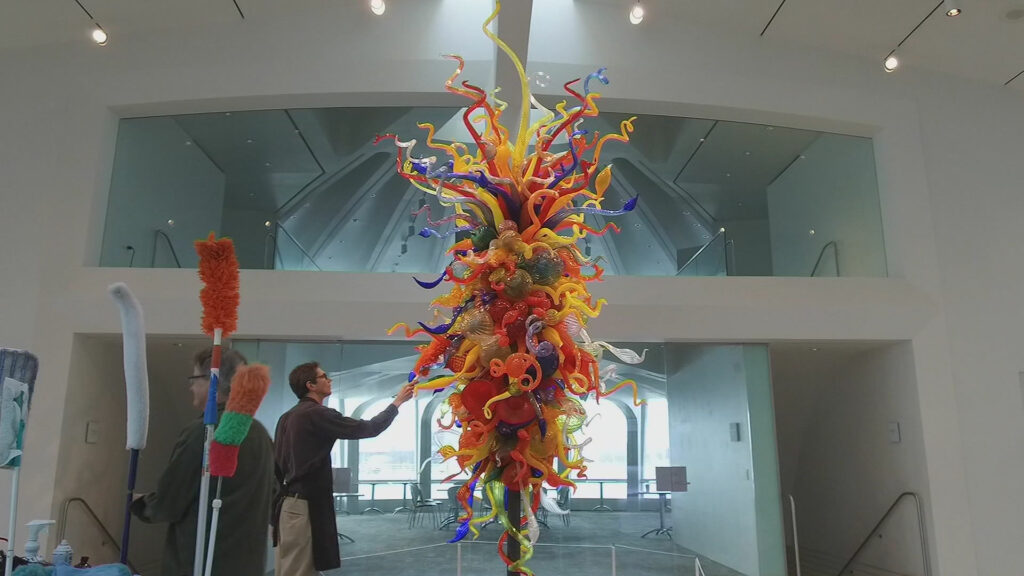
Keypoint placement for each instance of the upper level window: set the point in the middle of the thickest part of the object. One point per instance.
(306, 189)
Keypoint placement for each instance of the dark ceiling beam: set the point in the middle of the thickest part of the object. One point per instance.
(772, 19)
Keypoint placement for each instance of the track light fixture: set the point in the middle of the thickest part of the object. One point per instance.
(636, 14)
(99, 35)
(952, 8)
(891, 63)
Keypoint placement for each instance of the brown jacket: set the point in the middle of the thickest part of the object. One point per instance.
(302, 464)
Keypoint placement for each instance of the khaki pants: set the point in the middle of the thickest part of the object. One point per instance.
(295, 540)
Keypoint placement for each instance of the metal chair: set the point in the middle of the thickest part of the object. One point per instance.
(563, 500)
(342, 479)
(454, 507)
(342, 485)
(419, 503)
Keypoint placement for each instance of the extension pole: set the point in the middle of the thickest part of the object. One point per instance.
(515, 515)
(210, 419)
(133, 467)
(9, 565)
(213, 527)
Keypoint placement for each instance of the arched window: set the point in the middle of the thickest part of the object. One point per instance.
(656, 437)
(606, 426)
(338, 451)
(390, 457)
(440, 437)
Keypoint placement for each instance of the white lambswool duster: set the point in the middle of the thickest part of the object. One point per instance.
(136, 378)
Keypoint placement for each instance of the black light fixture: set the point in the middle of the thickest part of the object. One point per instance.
(891, 61)
(98, 34)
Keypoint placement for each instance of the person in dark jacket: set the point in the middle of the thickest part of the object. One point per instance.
(241, 547)
(306, 531)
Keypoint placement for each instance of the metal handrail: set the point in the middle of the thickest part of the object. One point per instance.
(920, 527)
(720, 232)
(796, 539)
(156, 236)
(271, 239)
(96, 519)
(835, 251)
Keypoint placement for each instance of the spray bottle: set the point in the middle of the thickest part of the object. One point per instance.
(35, 528)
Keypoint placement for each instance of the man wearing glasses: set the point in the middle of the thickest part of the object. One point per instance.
(306, 529)
(242, 532)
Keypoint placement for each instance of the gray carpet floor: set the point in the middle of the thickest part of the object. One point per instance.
(386, 545)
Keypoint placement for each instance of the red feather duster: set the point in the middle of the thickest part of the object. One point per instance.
(218, 269)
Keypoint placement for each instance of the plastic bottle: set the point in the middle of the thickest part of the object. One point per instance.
(63, 555)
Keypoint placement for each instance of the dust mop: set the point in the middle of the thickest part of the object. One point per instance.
(218, 269)
(248, 387)
(18, 370)
(136, 378)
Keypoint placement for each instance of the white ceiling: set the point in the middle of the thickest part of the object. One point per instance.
(981, 44)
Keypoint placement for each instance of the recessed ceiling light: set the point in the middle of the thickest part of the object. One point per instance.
(636, 14)
(891, 63)
(728, 174)
(769, 128)
(188, 142)
(170, 222)
(722, 229)
(227, 113)
(747, 153)
(702, 139)
(249, 140)
(267, 224)
(814, 349)
(952, 8)
(811, 232)
(99, 35)
(378, 7)
(266, 164)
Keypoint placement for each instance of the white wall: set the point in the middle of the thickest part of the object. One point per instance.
(723, 515)
(947, 155)
(96, 394)
(98, 472)
(838, 459)
(835, 193)
(975, 169)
